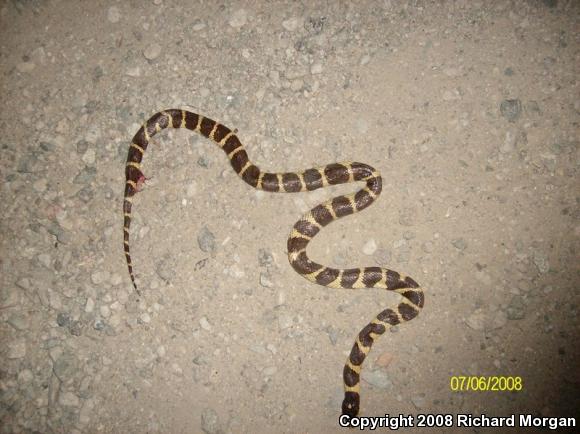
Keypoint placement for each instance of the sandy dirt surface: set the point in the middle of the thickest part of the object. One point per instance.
(469, 109)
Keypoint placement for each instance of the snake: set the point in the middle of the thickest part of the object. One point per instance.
(303, 231)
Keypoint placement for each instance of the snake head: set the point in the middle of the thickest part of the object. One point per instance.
(140, 181)
(135, 181)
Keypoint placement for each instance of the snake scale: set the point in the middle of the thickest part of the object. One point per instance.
(302, 232)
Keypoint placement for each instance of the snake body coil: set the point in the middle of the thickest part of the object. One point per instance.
(302, 232)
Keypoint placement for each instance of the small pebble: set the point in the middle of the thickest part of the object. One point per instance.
(459, 243)
(133, 71)
(198, 25)
(418, 401)
(210, 423)
(382, 256)
(534, 108)
(105, 311)
(191, 189)
(428, 247)
(509, 142)
(17, 349)
(161, 351)
(25, 376)
(332, 335)
(541, 262)
(285, 320)
(44, 259)
(152, 52)
(25, 66)
(511, 109)
(384, 360)
(377, 378)
(476, 320)
(291, 24)
(265, 280)
(265, 258)
(408, 216)
(68, 399)
(89, 305)
(204, 323)
(238, 18)
(99, 277)
(281, 299)
(370, 247)
(82, 146)
(206, 240)
(63, 319)
(113, 14)
(316, 68)
(89, 157)
(19, 321)
(75, 328)
(516, 310)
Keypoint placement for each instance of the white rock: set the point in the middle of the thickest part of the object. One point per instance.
(198, 25)
(86, 411)
(17, 349)
(266, 281)
(44, 259)
(191, 189)
(476, 320)
(365, 59)
(316, 68)
(291, 24)
(105, 311)
(89, 156)
(509, 142)
(54, 300)
(116, 279)
(25, 376)
(238, 18)
(152, 52)
(99, 277)
(281, 299)
(177, 369)
(113, 14)
(68, 399)
(370, 247)
(89, 305)
(39, 55)
(25, 66)
(135, 71)
(161, 351)
(204, 323)
(362, 126)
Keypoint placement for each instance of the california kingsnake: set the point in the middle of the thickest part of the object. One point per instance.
(302, 232)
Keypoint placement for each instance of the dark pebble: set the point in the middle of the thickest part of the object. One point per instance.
(76, 328)
(511, 109)
(63, 319)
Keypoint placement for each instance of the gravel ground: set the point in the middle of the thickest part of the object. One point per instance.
(469, 109)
